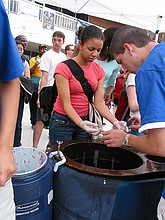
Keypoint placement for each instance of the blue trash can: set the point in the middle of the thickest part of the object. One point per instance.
(33, 184)
(100, 183)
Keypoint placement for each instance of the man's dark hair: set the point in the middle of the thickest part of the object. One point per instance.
(19, 37)
(59, 34)
(20, 42)
(67, 47)
(128, 34)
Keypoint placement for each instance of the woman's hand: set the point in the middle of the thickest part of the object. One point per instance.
(121, 125)
(91, 128)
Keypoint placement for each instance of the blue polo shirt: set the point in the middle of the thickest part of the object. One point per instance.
(11, 65)
(150, 88)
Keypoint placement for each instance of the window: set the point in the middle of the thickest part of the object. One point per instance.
(40, 14)
(14, 6)
(64, 22)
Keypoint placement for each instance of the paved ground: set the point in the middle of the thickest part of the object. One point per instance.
(27, 132)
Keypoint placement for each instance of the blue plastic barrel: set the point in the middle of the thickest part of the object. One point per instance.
(32, 183)
(100, 183)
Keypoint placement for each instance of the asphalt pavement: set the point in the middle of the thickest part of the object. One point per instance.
(27, 132)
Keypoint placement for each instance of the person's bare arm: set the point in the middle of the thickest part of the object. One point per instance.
(33, 65)
(43, 83)
(9, 99)
(44, 79)
(151, 143)
(107, 96)
(132, 98)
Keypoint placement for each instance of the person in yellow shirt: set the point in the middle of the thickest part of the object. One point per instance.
(35, 77)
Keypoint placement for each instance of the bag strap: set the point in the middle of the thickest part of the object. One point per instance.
(79, 75)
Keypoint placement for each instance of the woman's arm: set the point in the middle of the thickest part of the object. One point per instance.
(132, 98)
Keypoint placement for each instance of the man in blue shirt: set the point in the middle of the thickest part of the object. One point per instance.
(133, 49)
(11, 68)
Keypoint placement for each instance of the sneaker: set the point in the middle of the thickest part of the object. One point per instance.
(48, 148)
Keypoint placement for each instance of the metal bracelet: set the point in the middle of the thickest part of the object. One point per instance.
(126, 139)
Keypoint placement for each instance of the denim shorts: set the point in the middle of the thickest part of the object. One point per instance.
(62, 128)
(39, 117)
(161, 209)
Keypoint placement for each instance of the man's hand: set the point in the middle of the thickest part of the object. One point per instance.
(113, 138)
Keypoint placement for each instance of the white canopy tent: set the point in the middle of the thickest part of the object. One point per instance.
(142, 13)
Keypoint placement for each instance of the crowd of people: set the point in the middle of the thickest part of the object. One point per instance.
(100, 55)
(42, 69)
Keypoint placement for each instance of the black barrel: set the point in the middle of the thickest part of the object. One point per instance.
(100, 183)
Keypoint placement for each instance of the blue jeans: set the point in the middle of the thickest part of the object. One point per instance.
(62, 128)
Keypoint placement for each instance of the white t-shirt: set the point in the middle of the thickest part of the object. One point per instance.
(131, 82)
(49, 61)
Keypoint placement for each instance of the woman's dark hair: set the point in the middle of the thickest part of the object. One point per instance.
(108, 35)
(78, 33)
(20, 42)
(90, 32)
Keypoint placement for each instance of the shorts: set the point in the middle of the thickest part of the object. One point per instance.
(62, 128)
(161, 209)
(7, 206)
(42, 117)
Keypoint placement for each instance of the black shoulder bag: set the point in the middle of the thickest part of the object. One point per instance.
(78, 73)
(47, 97)
(27, 88)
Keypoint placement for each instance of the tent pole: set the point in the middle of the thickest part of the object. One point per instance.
(158, 27)
(156, 36)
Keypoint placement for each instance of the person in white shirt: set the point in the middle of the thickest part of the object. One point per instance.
(48, 63)
(132, 100)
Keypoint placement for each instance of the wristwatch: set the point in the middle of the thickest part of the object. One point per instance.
(125, 142)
